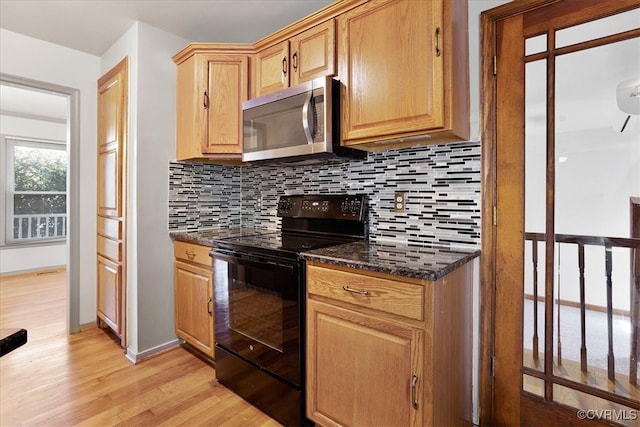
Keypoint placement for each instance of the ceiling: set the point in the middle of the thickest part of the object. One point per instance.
(92, 26)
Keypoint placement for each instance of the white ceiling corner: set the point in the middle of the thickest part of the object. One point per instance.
(92, 26)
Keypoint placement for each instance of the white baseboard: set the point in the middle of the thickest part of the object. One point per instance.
(137, 357)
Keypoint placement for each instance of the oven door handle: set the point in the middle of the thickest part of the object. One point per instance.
(238, 258)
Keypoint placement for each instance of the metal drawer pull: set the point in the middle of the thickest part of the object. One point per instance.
(414, 391)
(210, 306)
(190, 254)
(355, 291)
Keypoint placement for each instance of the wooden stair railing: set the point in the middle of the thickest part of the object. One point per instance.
(634, 231)
(608, 243)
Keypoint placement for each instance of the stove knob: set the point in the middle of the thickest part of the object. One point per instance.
(284, 205)
(344, 207)
(355, 207)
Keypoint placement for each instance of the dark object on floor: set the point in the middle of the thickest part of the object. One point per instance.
(12, 339)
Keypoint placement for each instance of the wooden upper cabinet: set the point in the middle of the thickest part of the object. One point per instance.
(272, 69)
(305, 56)
(403, 65)
(211, 86)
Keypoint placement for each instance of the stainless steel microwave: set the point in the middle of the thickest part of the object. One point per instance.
(297, 125)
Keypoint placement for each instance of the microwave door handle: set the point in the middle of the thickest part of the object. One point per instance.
(305, 118)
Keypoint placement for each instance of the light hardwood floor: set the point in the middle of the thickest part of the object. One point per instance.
(84, 379)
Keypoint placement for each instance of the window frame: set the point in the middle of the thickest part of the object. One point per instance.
(7, 186)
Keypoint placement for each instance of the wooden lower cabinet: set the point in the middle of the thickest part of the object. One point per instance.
(362, 369)
(109, 306)
(370, 362)
(193, 297)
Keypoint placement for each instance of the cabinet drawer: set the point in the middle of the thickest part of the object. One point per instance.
(192, 252)
(109, 248)
(399, 298)
(109, 227)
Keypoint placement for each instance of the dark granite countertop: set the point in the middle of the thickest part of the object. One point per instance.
(210, 236)
(401, 259)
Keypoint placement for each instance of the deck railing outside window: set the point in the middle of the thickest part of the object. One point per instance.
(39, 226)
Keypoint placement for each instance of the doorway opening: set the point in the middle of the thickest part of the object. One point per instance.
(40, 133)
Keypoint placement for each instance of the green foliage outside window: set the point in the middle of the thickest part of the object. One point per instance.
(39, 191)
(39, 171)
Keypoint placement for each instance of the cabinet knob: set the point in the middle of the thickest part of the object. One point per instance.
(437, 37)
(190, 254)
(294, 61)
(284, 65)
(210, 306)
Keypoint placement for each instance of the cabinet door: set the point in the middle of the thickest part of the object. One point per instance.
(391, 72)
(313, 53)
(272, 69)
(228, 82)
(194, 306)
(191, 92)
(361, 370)
(111, 133)
(109, 293)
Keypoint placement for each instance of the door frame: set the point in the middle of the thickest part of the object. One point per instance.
(73, 191)
(490, 21)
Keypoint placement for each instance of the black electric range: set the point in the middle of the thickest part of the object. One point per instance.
(259, 295)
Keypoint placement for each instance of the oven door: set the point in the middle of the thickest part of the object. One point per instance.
(258, 310)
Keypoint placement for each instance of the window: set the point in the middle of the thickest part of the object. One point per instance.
(36, 197)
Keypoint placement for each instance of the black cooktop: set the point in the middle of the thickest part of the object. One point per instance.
(283, 241)
(308, 222)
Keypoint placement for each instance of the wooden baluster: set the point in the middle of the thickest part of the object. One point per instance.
(583, 323)
(609, 269)
(534, 253)
(634, 232)
(559, 338)
(635, 328)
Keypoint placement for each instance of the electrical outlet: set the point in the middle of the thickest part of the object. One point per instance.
(399, 201)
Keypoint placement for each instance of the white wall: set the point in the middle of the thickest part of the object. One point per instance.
(29, 128)
(152, 117)
(35, 59)
(25, 258)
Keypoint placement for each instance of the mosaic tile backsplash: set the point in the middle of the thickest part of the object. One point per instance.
(441, 185)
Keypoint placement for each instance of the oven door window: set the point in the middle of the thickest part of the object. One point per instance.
(257, 309)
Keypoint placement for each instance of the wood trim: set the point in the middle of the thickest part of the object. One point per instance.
(213, 49)
(489, 21)
(537, 412)
(565, 14)
(488, 189)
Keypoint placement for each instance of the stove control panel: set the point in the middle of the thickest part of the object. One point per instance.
(323, 206)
